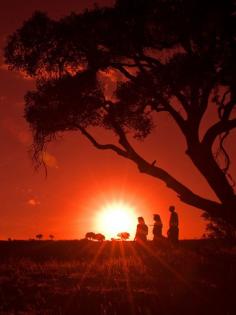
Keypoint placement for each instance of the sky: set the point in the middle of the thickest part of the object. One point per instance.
(82, 180)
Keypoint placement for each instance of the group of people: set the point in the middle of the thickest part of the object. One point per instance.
(172, 233)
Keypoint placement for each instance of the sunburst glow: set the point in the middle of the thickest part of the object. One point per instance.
(116, 217)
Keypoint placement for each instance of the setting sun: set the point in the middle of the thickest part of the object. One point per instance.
(116, 217)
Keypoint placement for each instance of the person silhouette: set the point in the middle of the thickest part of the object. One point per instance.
(141, 231)
(173, 232)
(157, 228)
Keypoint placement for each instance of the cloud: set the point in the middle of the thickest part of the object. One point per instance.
(33, 202)
(49, 159)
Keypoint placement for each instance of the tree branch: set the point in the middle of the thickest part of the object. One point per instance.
(217, 129)
(102, 146)
(150, 60)
(176, 115)
(228, 109)
(126, 73)
(184, 193)
(205, 96)
(182, 100)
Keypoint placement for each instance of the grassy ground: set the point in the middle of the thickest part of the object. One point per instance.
(90, 278)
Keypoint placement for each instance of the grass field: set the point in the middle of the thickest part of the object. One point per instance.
(84, 277)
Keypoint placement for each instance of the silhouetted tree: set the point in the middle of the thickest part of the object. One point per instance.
(99, 237)
(219, 229)
(39, 236)
(167, 57)
(90, 235)
(51, 237)
(123, 236)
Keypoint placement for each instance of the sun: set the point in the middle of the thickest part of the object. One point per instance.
(116, 217)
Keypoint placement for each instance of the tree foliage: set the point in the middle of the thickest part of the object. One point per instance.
(217, 228)
(51, 237)
(172, 56)
(123, 235)
(95, 236)
(90, 235)
(39, 236)
(99, 237)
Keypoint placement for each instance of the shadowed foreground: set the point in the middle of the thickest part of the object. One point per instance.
(83, 277)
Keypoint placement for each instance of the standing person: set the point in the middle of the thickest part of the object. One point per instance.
(173, 232)
(157, 228)
(141, 231)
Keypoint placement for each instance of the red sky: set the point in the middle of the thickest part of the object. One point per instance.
(80, 178)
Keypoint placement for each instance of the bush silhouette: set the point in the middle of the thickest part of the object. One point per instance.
(39, 236)
(123, 236)
(90, 235)
(95, 236)
(99, 237)
(51, 236)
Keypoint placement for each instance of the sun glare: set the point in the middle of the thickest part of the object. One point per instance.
(116, 217)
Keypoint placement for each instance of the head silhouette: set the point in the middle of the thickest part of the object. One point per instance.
(156, 217)
(172, 208)
(141, 220)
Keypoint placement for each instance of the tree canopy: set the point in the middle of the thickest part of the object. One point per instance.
(123, 235)
(174, 56)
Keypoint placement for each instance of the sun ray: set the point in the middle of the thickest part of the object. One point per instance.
(127, 279)
(91, 264)
(86, 272)
(111, 256)
(171, 270)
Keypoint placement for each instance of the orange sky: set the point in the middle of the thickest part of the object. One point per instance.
(80, 178)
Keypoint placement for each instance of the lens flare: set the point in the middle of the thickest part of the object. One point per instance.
(116, 217)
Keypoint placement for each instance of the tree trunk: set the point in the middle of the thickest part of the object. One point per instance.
(204, 161)
(206, 164)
